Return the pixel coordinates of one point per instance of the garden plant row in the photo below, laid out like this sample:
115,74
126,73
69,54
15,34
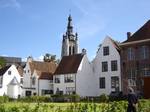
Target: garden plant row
115,106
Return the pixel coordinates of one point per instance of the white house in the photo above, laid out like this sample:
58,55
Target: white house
74,75
38,77
10,82
106,67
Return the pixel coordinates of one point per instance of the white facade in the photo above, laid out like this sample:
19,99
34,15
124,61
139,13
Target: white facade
83,81
12,91
61,85
27,85
113,55
32,84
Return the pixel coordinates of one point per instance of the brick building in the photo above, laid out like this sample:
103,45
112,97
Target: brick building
135,60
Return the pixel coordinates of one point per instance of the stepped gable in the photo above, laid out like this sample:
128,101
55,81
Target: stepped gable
69,64
142,34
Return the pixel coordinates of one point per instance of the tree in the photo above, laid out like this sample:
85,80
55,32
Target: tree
49,57
2,62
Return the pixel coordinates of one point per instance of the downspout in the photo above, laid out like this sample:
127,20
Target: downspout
75,84
38,86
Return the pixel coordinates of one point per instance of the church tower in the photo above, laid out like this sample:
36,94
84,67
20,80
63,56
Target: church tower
70,40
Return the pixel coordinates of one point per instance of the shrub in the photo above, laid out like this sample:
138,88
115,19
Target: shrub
36,99
103,98
66,98
4,99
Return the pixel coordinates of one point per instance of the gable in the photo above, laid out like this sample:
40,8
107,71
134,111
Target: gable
111,43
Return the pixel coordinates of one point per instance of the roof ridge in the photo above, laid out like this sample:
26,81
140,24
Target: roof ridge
142,33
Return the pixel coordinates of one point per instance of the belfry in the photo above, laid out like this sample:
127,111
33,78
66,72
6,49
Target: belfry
70,40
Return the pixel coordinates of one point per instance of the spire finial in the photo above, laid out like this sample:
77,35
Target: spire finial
70,27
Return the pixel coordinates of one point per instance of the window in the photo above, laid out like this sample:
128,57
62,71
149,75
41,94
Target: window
102,82
69,78
144,52
145,69
46,92
104,66
130,54
115,83
105,50
131,77
9,72
33,80
114,66
57,79
70,90
59,92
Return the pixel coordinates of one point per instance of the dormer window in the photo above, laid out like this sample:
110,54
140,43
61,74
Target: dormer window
9,72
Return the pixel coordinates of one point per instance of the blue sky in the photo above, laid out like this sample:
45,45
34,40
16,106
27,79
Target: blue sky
35,27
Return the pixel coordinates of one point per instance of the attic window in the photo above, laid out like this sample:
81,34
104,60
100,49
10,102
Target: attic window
9,72
105,50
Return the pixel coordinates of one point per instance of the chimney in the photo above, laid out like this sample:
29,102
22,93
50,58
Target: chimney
128,35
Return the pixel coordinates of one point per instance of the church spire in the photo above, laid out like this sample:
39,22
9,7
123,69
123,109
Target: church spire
70,27
70,40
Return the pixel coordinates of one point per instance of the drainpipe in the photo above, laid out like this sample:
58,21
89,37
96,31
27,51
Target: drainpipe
38,86
75,84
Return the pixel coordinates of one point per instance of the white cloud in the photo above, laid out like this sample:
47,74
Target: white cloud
24,59
10,4
40,58
4,55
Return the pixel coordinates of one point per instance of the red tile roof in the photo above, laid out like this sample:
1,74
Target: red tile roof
43,66
141,34
20,70
115,44
69,64
46,75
